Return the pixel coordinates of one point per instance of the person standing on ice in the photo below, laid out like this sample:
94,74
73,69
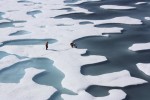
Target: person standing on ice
73,45
46,45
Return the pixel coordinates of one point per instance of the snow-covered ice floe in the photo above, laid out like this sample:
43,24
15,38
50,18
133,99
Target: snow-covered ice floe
26,89
3,21
121,20
140,46
114,94
117,79
9,60
82,1
147,18
116,7
144,67
139,3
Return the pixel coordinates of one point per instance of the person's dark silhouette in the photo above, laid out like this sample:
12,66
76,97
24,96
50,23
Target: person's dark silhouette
73,45
46,45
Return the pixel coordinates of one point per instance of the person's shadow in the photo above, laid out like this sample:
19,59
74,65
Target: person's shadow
58,50
52,49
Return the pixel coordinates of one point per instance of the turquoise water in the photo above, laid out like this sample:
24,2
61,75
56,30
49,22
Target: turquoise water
51,76
21,32
10,24
24,1
3,54
28,42
1,13
33,13
6,24
16,71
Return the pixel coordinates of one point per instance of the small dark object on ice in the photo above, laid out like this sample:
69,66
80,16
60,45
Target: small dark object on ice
73,45
46,45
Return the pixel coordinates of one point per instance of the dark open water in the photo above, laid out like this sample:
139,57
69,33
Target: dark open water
115,47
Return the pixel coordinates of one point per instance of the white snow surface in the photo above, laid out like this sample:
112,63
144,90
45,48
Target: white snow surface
121,20
8,61
26,89
114,94
139,3
147,18
117,79
4,21
140,46
144,67
116,7
66,59
82,1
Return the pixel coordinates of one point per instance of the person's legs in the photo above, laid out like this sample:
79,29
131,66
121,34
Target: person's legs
46,45
71,45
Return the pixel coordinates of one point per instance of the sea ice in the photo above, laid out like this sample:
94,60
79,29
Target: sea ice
66,59
114,94
3,21
116,79
116,7
139,3
140,46
26,89
72,60
82,1
121,20
144,67
8,61
147,18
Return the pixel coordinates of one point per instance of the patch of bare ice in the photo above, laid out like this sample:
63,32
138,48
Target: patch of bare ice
147,18
8,61
140,46
116,7
144,67
114,94
139,3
